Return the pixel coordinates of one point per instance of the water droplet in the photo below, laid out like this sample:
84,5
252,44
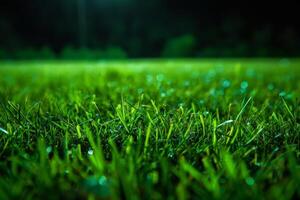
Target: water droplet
149,79
186,83
90,152
250,181
282,94
213,92
99,186
226,83
170,154
49,149
201,102
244,85
205,113
102,180
163,94
170,91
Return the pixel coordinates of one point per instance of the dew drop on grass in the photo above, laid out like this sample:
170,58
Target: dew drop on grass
226,84
244,85
201,102
205,113
186,83
102,180
213,92
250,181
90,152
99,186
282,94
49,149
170,155
160,77
163,94
170,91
149,79
210,76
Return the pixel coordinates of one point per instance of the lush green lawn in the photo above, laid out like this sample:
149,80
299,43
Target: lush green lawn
185,129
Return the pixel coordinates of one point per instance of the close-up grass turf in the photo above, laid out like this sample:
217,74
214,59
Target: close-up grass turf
150,129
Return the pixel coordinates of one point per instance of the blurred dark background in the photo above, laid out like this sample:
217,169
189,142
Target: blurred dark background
92,29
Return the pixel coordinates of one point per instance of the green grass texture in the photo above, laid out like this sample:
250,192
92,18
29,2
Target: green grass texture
150,129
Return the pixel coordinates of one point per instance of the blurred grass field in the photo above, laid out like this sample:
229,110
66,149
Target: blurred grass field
150,129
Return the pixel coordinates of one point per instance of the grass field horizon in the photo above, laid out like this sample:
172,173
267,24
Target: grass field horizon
150,129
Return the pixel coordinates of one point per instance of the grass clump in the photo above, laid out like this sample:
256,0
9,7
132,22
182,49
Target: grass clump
183,129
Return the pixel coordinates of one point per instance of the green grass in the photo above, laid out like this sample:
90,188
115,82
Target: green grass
181,129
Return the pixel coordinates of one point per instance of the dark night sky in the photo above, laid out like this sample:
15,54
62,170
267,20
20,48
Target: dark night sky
54,23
